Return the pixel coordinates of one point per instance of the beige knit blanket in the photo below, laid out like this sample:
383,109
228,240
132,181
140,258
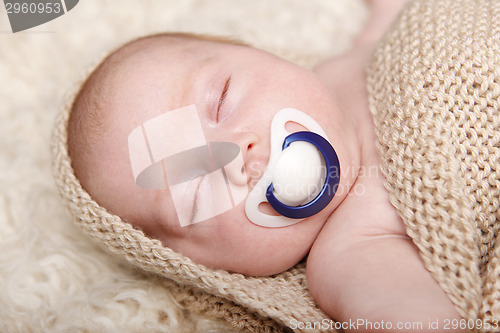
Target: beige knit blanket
434,85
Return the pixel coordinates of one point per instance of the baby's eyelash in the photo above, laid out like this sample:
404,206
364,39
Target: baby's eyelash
223,96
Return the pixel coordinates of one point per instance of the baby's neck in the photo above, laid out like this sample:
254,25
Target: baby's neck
346,77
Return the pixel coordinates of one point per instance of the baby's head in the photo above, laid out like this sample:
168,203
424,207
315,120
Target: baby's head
236,91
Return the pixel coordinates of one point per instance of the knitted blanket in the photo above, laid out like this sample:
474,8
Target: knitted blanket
434,85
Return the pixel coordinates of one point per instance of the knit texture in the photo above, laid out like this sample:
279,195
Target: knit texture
434,86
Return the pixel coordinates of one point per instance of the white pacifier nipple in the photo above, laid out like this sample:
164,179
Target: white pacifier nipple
297,174
302,174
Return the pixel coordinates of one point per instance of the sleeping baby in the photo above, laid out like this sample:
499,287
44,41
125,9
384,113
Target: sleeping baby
242,161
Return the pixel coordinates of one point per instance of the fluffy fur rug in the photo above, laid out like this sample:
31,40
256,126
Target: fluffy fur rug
52,278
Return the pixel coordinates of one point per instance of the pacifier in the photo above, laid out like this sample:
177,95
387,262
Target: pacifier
302,175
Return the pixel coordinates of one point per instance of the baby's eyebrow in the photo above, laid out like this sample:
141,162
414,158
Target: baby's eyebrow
194,68
205,61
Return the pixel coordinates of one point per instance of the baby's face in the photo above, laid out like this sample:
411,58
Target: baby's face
164,75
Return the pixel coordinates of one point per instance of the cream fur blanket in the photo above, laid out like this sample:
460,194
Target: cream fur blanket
52,278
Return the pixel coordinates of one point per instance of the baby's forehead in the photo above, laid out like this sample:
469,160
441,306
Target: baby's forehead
144,61
149,77
162,48
154,74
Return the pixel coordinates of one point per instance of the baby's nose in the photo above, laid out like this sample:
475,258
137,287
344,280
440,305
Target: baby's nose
248,167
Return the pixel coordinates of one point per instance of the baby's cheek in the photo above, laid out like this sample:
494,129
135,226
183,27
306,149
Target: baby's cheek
236,244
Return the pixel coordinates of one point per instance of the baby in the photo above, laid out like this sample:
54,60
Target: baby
360,262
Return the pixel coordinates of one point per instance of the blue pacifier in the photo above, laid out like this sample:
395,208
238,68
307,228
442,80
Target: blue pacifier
327,191
302,176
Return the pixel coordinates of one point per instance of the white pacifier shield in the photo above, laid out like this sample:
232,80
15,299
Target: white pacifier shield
283,167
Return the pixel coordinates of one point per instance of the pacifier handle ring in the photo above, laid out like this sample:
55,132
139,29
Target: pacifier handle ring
329,188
